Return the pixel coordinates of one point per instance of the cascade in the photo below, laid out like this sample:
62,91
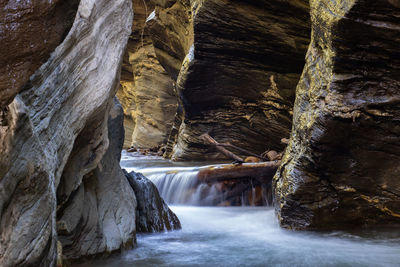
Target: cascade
180,185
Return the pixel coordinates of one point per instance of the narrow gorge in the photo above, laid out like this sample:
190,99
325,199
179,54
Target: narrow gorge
199,133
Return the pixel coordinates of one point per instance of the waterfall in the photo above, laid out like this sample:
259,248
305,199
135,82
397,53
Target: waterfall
179,185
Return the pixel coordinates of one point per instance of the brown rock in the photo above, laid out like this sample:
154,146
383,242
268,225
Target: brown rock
238,75
30,31
341,167
146,92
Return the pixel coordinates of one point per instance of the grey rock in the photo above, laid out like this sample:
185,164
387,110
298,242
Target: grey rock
99,216
153,214
71,90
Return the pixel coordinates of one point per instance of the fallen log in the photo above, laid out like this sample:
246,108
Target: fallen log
262,171
208,139
242,150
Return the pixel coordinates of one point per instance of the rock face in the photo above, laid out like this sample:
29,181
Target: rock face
65,102
99,215
341,167
146,92
30,31
236,70
153,215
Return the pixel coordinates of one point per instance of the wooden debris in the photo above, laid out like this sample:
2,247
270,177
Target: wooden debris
209,140
263,171
242,150
221,147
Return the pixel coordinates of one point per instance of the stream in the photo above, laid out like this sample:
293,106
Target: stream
241,236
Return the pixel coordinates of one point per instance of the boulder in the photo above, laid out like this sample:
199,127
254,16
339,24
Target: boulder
341,167
153,214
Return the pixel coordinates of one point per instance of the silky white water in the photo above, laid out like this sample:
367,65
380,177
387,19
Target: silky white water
251,236
176,182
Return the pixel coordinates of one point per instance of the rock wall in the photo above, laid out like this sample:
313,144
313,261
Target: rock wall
30,31
341,168
96,209
146,92
65,100
236,67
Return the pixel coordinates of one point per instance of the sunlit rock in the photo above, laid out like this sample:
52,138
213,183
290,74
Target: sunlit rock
147,92
236,67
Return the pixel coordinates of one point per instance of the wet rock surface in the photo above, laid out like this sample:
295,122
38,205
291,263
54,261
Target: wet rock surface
72,90
341,168
153,214
30,31
239,66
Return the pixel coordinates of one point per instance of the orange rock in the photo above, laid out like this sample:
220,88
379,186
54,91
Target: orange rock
252,159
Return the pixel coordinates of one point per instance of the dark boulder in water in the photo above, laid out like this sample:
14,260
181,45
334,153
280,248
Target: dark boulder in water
152,214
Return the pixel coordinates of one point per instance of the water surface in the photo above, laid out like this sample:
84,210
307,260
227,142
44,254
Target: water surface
243,236
250,236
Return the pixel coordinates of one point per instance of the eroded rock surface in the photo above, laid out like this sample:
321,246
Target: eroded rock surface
99,215
341,167
153,214
147,91
70,91
239,63
30,31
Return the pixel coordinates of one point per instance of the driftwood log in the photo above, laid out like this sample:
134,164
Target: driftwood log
221,147
262,171
209,140
236,181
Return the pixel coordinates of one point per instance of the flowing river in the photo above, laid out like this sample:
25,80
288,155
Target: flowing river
241,236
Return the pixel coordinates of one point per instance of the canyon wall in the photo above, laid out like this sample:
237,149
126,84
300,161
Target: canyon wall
236,66
30,31
95,205
341,168
57,126
147,91
229,68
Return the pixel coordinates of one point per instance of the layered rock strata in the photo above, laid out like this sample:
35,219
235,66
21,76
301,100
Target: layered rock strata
153,214
146,92
30,31
236,68
96,210
69,93
341,167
